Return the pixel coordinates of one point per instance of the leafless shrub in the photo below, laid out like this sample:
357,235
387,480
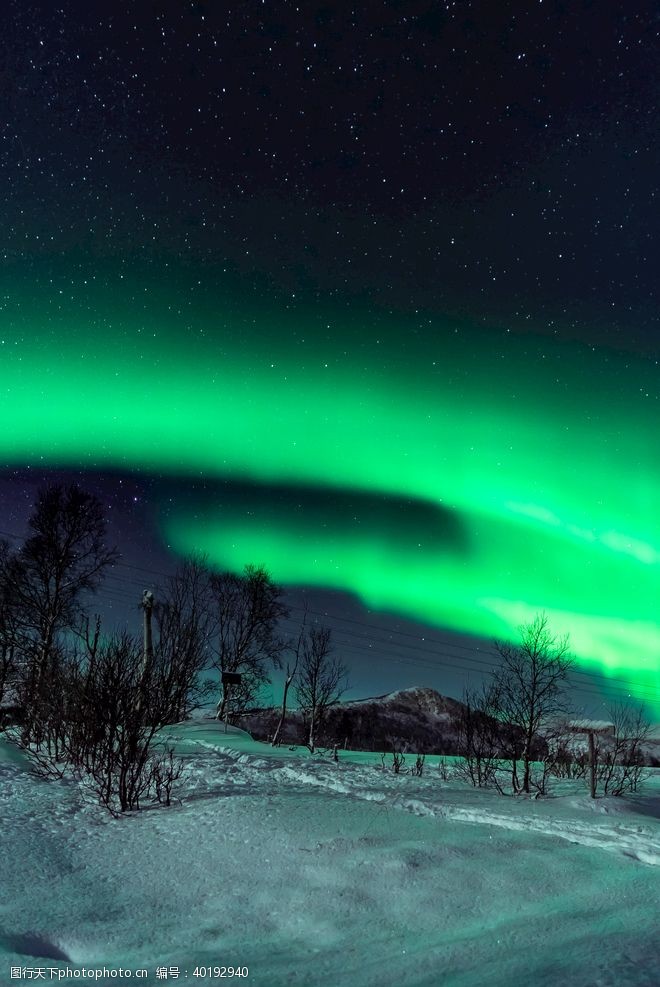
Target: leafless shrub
570,765
398,760
44,726
565,758
113,745
621,767
479,738
548,749
541,776
321,680
418,767
445,769
166,771
101,722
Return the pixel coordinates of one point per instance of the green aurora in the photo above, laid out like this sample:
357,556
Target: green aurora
543,453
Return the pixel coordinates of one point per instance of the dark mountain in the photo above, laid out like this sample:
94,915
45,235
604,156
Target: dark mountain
419,720
416,720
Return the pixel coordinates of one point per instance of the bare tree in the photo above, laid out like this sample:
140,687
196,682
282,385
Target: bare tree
247,609
61,561
322,680
289,676
183,611
529,686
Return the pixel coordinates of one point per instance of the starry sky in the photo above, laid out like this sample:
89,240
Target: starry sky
366,294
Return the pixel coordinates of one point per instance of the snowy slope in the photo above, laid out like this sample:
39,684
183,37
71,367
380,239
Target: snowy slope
310,872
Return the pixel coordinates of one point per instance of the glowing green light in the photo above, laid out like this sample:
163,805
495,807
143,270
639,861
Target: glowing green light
548,456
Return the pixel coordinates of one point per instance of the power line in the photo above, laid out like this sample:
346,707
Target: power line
441,664
614,684
431,640
609,681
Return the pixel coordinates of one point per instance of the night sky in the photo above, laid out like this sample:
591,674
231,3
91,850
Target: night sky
369,296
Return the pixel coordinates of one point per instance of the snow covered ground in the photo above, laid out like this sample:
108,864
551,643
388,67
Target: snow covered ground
312,873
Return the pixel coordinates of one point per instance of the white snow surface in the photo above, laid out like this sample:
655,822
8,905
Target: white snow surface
312,873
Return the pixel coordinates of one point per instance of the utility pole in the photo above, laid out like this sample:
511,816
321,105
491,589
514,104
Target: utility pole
591,728
147,605
592,764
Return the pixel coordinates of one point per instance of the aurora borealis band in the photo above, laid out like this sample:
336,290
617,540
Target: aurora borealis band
467,484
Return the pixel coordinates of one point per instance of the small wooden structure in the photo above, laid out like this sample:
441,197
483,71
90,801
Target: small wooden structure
591,728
